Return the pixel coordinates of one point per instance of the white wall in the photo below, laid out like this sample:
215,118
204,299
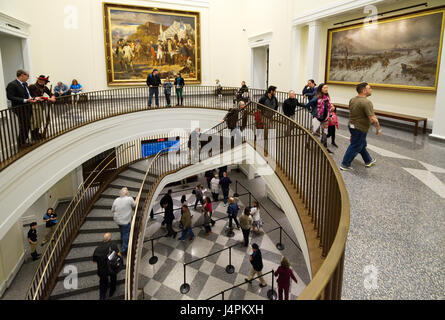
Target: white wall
79,53
259,67
11,56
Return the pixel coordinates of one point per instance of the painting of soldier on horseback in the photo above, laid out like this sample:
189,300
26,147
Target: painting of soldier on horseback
139,40
398,52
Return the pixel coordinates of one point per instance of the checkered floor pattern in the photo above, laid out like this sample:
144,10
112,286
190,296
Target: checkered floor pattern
206,277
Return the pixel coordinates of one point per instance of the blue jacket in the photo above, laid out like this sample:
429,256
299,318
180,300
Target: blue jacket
233,209
309,93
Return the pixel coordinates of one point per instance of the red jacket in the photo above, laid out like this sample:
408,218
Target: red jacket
284,276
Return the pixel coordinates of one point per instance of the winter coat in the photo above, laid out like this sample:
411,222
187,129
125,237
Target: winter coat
214,184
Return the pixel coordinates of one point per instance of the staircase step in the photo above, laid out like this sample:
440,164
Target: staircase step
119,182
85,285
128,177
141,165
101,231
133,190
91,244
95,237
99,218
84,269
99,212
101,224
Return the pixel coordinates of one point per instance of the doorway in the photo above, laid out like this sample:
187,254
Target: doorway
260,67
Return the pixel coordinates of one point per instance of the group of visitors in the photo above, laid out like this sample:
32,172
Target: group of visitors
154,82
31,117
50,219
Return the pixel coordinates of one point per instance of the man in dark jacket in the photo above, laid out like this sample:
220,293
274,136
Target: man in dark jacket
153,83
256,260
100,256
269,100
225,186
18,93
289,105
167,204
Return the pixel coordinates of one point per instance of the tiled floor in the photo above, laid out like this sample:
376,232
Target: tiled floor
207,277
396,234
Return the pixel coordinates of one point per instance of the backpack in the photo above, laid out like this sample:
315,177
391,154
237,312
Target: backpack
232,118
325,112
114,262
259,122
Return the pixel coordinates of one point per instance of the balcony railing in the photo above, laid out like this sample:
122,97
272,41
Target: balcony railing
24,128
308,173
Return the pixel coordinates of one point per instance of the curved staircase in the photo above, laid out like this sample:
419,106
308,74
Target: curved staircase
98,222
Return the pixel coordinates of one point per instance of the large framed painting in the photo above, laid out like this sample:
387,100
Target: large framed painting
141,39
400,52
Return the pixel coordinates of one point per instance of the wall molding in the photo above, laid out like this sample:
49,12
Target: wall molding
13,26
260,40
327,11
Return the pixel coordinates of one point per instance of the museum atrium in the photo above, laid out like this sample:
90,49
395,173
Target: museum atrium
210,111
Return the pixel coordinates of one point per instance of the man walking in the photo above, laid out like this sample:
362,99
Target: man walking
225,186
122,210
256,260
361,115
100,257
153,83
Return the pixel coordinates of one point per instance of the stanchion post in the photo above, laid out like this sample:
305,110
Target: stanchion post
222,294
236,195
280,245
185,287
272,294
250,199
230,268
154,259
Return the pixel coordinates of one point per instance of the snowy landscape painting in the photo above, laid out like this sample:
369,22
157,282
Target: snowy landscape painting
402,52
139,40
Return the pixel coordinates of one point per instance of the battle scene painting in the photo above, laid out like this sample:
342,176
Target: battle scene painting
402,52
139,40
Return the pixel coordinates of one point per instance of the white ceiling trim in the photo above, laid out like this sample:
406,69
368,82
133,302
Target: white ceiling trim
338,7
13,26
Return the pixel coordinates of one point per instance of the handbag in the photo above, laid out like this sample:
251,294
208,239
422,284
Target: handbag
114,262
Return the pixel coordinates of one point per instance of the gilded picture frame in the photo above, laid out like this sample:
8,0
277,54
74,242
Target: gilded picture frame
400,52
140,39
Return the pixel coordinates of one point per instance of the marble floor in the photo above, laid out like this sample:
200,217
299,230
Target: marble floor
395,247
207,277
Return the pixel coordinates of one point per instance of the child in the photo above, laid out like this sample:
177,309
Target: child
332,122
168,90
255,213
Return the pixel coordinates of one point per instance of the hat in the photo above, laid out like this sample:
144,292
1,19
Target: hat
155,70
255,246
41,77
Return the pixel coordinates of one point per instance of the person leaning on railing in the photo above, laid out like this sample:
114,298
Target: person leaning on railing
18,93
38,90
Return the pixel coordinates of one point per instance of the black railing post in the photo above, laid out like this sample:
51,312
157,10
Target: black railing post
280,245
153,259
236,189
185,287
230,268
272,294
222,294
250,199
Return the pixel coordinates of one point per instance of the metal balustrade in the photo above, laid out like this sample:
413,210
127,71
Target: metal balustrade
304,167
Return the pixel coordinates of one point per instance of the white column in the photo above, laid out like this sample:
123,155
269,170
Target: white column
3,99
439,112
313,51
296,56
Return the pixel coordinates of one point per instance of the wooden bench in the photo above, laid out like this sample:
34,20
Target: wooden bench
394,115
